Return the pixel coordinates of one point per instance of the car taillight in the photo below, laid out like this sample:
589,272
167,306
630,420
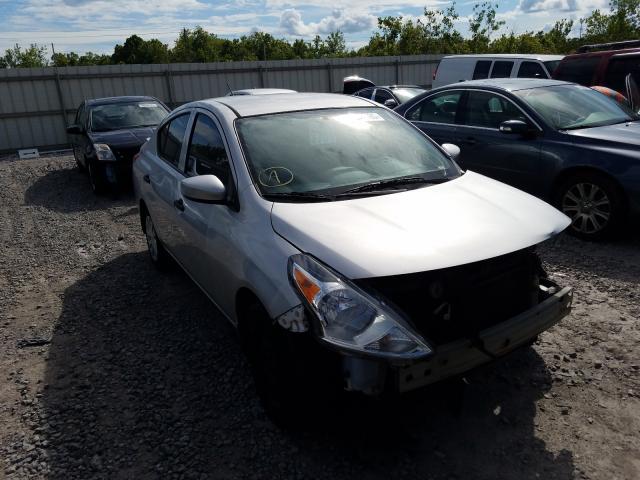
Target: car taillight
135,157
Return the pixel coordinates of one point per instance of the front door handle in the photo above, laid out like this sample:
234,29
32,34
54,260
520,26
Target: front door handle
146,179
179,204
469,141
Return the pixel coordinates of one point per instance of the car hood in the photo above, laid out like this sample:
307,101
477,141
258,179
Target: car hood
464,220
627,133
123,138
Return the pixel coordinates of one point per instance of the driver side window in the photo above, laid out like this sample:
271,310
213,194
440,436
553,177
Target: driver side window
441,108
489,110
207,154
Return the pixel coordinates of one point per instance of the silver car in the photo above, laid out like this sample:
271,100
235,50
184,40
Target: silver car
346,246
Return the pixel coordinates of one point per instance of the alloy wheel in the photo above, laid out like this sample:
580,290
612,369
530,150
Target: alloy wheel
588,206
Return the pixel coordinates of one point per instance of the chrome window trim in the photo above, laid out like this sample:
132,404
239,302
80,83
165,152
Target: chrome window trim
536,124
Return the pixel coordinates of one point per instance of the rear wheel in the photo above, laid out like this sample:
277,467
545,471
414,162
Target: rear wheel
593,203
157,252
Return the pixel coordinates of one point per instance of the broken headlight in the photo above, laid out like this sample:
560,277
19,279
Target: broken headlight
351,319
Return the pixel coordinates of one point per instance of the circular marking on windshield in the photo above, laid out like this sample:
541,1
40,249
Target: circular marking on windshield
275,177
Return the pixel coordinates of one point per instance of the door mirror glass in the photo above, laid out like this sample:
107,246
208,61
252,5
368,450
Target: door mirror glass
452,150
74,129
514,126
390,103
203,188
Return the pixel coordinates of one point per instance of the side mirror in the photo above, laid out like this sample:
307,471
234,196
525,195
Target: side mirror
390,103
514,126
452,150
203,188
75,129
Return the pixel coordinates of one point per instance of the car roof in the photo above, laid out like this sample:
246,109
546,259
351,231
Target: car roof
124,99
250,105
603,53
528,56
262,91
509,84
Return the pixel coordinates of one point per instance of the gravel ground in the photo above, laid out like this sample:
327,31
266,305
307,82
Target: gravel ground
112,370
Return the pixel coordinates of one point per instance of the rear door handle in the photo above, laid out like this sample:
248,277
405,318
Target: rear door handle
146,179
179,204
469,141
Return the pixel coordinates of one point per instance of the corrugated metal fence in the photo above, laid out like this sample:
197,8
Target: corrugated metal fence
37,103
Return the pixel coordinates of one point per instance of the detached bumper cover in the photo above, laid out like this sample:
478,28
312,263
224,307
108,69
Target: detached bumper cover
462,355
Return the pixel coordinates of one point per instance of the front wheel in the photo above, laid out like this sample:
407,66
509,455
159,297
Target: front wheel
96,179
593,203
294,378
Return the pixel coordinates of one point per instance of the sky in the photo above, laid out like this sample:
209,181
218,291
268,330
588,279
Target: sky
98,25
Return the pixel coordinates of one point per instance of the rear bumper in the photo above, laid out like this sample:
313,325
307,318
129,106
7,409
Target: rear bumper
463,355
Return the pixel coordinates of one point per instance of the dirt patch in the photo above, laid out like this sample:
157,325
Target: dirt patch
113,370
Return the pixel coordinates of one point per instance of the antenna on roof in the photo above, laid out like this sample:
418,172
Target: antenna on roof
229,87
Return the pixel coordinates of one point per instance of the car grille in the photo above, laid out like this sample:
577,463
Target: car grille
457,302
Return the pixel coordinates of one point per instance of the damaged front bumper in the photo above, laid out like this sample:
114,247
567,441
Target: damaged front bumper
462,355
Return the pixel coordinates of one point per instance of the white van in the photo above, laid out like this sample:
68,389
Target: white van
459,68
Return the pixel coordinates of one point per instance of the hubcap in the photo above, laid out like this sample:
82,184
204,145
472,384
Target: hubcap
152,240
588,206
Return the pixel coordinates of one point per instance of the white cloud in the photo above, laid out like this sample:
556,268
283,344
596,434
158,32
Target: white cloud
360,5
291,23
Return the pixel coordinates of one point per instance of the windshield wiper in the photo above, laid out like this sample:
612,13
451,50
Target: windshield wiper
302,196
392,184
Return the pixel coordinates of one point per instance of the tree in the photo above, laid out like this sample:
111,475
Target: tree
482,25
34,56
137,50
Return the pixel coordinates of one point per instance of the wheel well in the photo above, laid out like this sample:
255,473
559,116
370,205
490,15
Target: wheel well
247,307
143,215
569,172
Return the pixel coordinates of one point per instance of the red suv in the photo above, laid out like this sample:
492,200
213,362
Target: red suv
607,68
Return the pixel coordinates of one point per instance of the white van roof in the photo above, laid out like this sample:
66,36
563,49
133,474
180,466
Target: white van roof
530,56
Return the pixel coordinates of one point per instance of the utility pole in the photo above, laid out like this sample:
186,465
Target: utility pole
53,49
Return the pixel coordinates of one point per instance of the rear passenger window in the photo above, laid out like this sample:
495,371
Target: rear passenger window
170,138
501,69
440,108
531,70
579,70
482,69
206,154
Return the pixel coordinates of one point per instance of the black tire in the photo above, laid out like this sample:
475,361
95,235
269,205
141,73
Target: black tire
594,203
158,254
79,165
96,179
295,379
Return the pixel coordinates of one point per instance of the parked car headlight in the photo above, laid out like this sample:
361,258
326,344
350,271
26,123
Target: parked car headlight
351,319
104,153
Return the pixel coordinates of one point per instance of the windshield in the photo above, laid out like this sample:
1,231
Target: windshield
331,151
405,94
116,116
568,107
551,65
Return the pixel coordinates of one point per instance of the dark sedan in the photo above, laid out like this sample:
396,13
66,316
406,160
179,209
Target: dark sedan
560,141
108,132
